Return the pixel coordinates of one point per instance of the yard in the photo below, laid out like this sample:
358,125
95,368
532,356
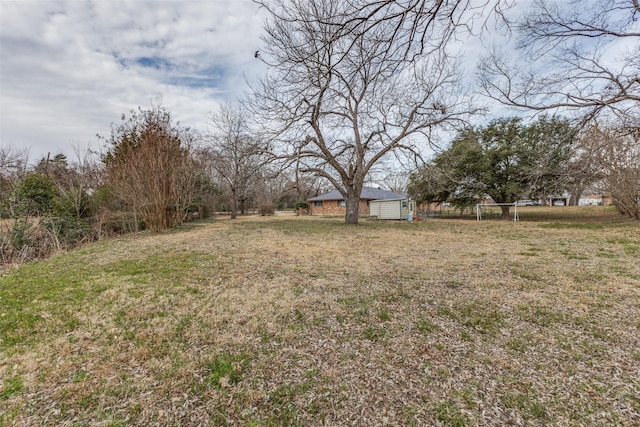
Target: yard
308,321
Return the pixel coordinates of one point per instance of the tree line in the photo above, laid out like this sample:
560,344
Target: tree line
356,87
508,160
150,174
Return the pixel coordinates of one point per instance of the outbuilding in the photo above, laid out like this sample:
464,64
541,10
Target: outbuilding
398,208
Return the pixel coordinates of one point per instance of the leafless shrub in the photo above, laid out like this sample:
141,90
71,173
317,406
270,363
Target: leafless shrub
24,240
617,153
266,207
150,165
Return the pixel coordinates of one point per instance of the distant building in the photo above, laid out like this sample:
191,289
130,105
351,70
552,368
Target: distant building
332,203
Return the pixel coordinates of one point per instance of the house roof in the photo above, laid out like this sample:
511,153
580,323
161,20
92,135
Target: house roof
368,193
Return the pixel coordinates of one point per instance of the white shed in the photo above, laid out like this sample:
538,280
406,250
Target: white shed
399,208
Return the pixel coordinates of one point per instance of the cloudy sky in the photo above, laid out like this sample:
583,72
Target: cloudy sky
68,69
71,68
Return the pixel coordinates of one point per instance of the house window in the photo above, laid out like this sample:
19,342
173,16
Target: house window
317,204
342,203
404,204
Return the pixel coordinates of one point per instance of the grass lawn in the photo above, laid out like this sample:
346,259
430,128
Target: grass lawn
307,321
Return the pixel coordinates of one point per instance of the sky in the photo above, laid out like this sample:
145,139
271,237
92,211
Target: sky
69,69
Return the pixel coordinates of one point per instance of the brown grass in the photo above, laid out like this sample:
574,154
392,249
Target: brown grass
307,321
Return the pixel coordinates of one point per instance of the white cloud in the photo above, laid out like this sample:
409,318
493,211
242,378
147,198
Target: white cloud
70,69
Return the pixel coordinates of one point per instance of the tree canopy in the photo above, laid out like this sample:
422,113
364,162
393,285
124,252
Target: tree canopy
505,160
342,96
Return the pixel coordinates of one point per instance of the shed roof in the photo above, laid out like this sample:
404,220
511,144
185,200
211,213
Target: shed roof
368,193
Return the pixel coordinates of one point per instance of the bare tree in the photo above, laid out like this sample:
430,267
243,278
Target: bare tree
237,157
397,181
342,95
583,171
411,27
13,161
617,152
577,54
13,167
289,188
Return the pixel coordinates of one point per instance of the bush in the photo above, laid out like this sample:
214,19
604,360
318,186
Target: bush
24,241
301,208
67,231
267,208
19,236
34,196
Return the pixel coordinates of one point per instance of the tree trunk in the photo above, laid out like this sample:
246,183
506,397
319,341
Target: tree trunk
505,211
576,195
234,205
353,207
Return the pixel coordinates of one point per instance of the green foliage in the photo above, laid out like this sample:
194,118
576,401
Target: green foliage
301,205
428,185
57,228
34,196
5,195
20,233
67,229
505,160
103,197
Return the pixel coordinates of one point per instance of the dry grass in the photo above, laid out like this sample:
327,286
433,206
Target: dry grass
307,321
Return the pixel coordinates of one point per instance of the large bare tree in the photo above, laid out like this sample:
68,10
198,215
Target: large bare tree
354,82
413,27
237,157
578,54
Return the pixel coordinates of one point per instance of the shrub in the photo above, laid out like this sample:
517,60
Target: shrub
301,207
24,241
34,196
267,208
67,231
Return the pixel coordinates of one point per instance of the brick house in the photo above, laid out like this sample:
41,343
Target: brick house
332,203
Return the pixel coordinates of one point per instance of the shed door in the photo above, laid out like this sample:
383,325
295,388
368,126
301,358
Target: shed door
390,210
